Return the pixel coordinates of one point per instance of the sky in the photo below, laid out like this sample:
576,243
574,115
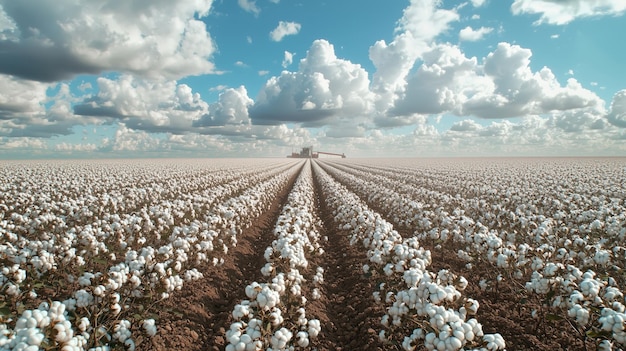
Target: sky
246,78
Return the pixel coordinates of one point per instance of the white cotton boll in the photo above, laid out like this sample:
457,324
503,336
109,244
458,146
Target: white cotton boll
590,287
150,327
267,269
99,290
580,313
483,284
252,290
135,281
233,336
276,318
453,343
83,324
315,295
12,289
267,298
388,269
121,331
494,342
314,327
34,337
280,338
240,311
64,331
302,339
412,277
130,344
472,306
296,290
407,344
385,320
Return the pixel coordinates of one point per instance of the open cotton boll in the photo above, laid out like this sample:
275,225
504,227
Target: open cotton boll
240,311
494,342
315,294
280,338
267,298
252,290
314,328
150,327
276,317
302,338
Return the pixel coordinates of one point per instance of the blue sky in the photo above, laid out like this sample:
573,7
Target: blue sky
193,78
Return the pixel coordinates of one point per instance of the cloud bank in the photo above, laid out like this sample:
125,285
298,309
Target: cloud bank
56,40
495,103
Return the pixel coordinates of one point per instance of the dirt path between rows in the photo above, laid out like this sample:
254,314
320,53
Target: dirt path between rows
351,318
197,317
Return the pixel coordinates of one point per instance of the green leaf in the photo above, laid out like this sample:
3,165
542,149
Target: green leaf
5,311
595,334
99,260
553,317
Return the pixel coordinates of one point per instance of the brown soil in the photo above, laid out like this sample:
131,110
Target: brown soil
197,317
506,308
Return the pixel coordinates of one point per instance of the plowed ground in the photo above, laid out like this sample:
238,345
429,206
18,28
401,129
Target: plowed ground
197,317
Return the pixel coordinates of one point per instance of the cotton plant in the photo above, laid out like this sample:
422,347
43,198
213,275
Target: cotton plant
412,295
523,237
104,245
273,316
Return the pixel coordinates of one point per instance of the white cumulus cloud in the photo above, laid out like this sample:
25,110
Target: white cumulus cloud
470,34
288,59
503,86
324,89
422,21
230,109
284,29
561,12
55,40
150,105
26,109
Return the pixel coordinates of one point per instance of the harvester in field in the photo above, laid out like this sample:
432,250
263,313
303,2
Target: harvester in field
307,152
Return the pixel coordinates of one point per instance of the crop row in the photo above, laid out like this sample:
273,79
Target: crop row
423,307
573,259
114,270
274,315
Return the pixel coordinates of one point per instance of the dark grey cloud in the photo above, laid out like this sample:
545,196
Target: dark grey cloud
262,115
44,64
94,108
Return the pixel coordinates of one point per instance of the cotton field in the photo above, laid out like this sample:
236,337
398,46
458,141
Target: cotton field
307,254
